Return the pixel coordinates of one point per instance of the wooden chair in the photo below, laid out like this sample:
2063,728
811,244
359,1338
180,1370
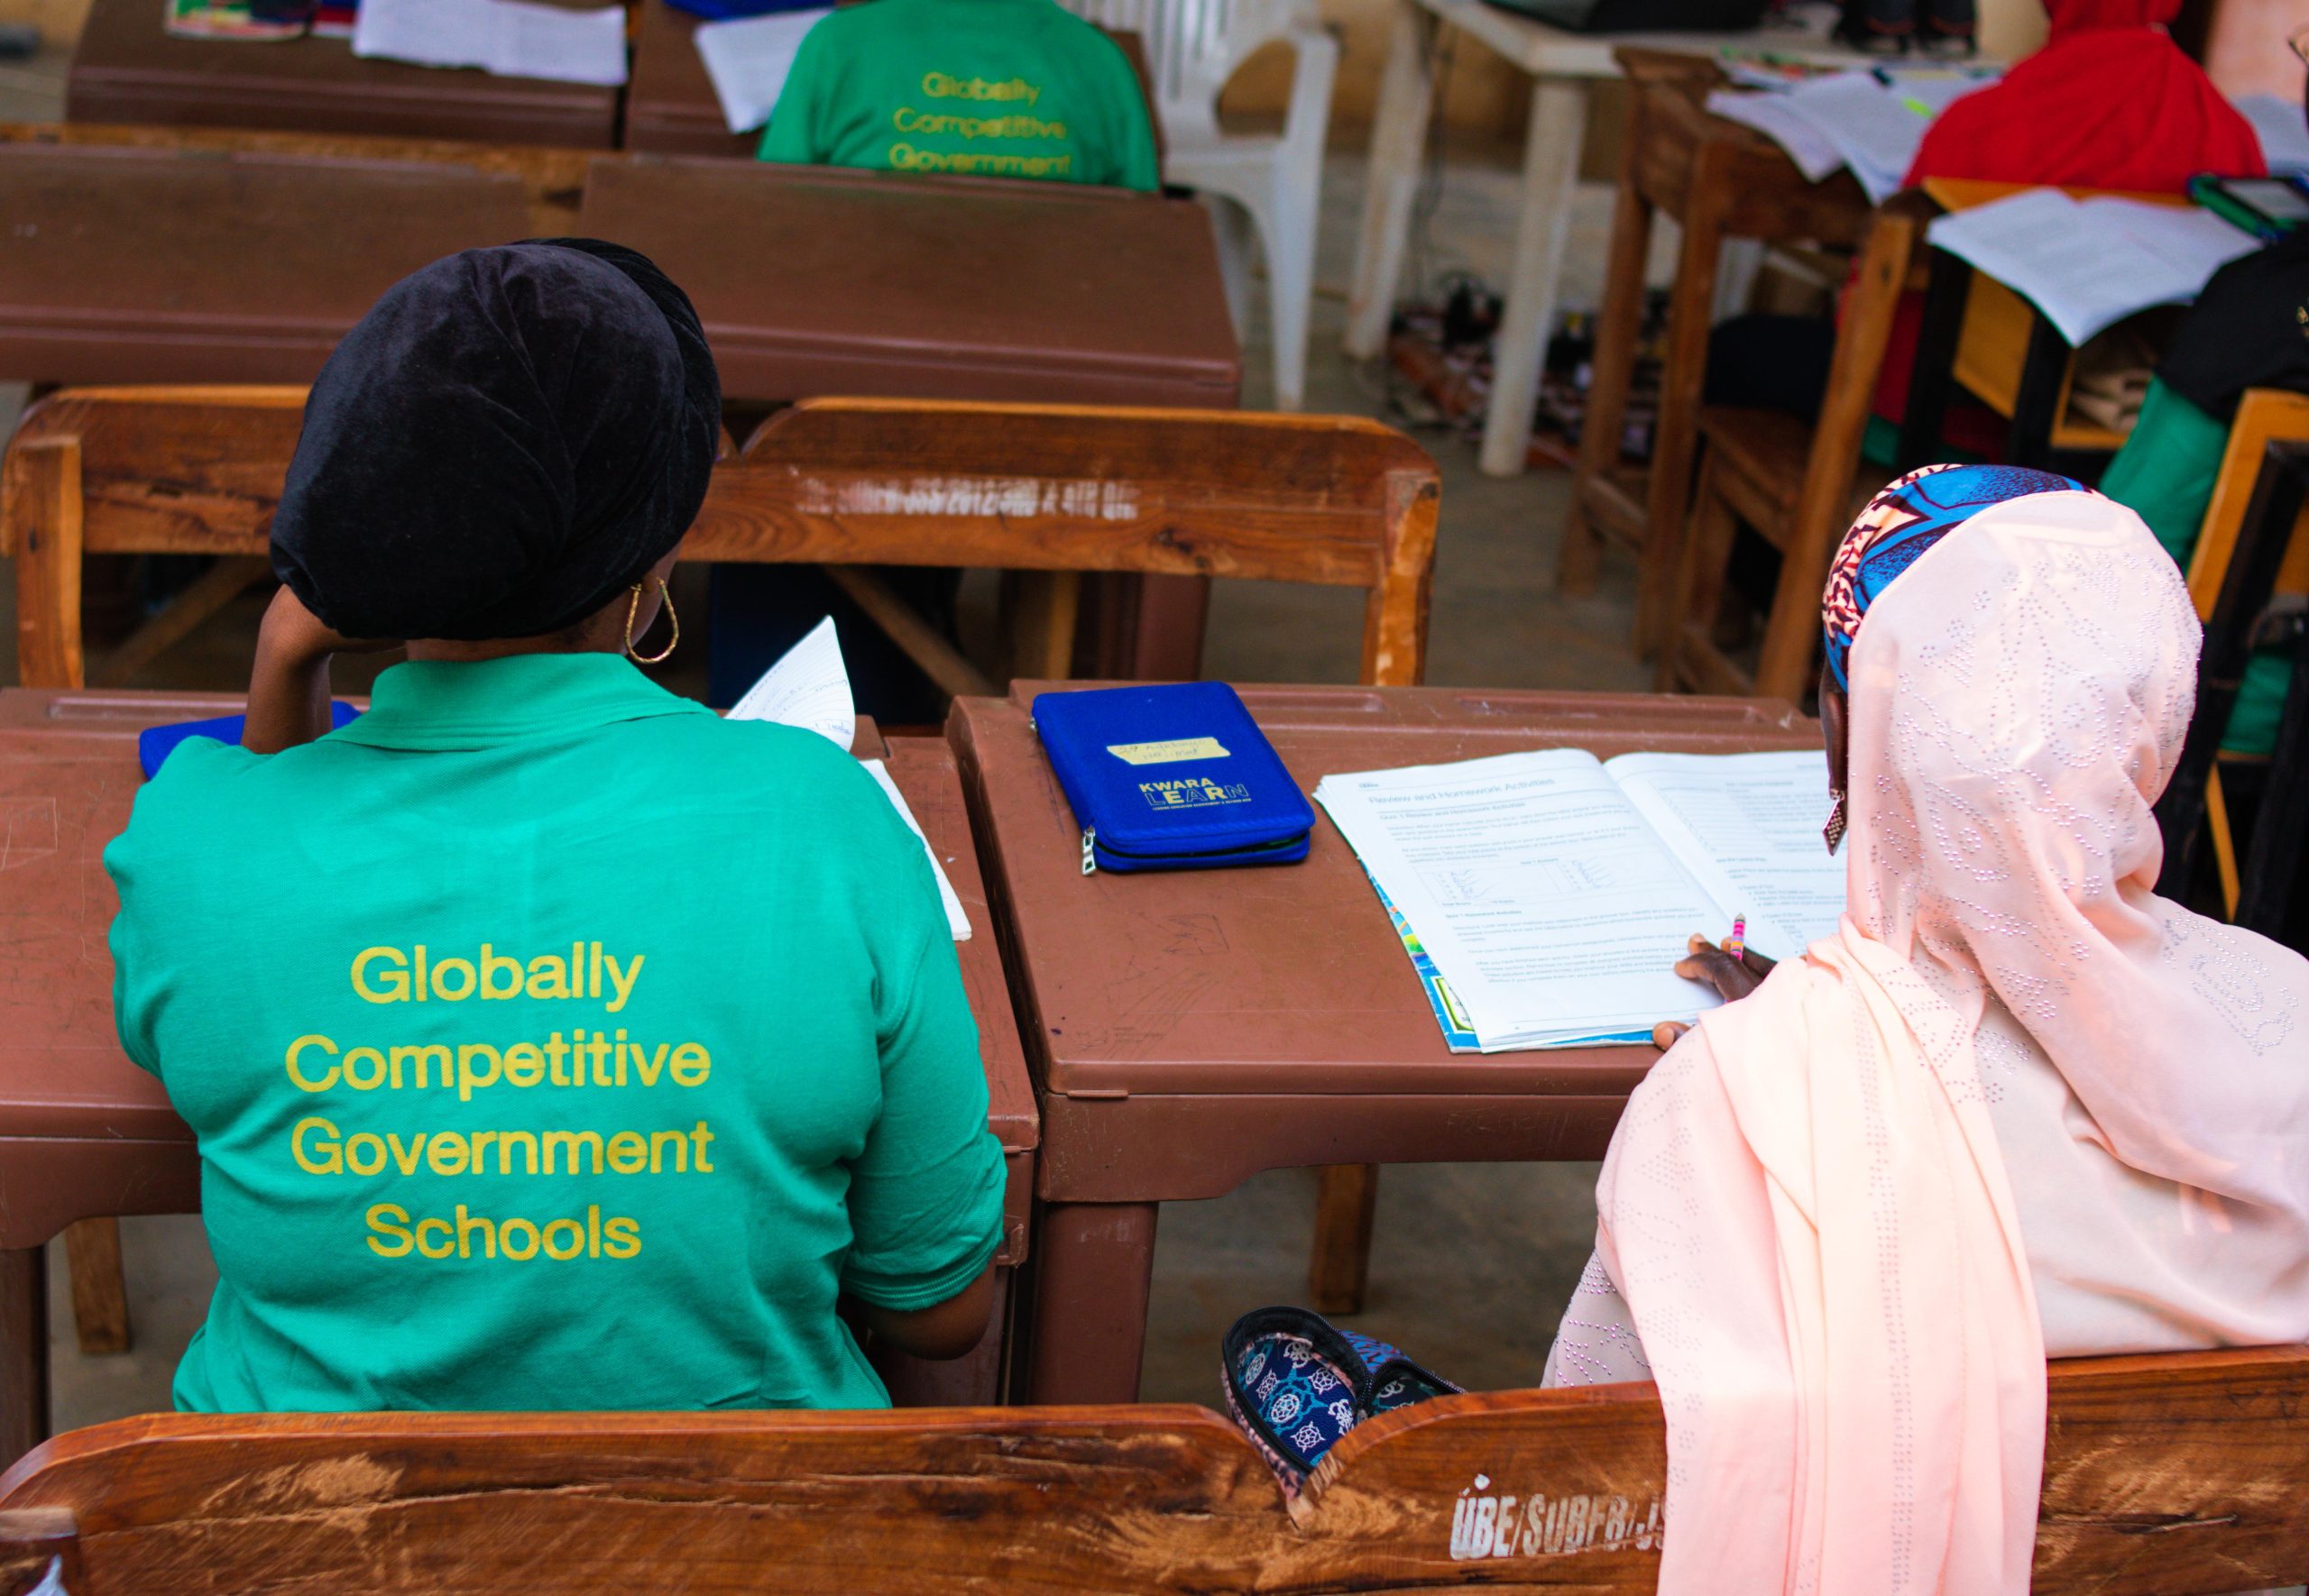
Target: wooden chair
1049,492
2182,1472
1793,484
2250,552
1719,180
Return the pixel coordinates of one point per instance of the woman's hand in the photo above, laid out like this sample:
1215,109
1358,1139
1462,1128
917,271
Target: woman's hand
289,682
1733,978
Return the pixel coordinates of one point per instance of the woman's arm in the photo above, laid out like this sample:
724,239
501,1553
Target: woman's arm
289,682
948,1329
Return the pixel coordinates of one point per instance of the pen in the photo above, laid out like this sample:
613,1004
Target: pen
1736,945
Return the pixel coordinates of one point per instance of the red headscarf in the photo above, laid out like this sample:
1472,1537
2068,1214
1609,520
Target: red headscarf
2108,103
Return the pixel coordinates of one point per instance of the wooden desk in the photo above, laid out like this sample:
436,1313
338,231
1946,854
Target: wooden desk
1562,65
812,280
1188,1030
129,69
1718,180
85,1132
138,265
1980,335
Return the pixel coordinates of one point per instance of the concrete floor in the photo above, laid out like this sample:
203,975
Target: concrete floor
1472,1263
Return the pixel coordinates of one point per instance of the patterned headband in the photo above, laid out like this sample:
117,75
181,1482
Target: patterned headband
1908,516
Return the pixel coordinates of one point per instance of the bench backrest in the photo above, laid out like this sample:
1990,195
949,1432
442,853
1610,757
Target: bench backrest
2168,1475
1329,499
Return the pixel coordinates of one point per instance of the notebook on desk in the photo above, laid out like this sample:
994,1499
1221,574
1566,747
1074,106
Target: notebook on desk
1545,896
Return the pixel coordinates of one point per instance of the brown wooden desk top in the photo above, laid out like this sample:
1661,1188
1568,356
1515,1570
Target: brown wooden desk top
83,1131
812,280
269,259
670,105
129,69
1285,982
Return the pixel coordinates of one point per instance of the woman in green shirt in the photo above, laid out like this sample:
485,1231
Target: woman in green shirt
550,1042
991,88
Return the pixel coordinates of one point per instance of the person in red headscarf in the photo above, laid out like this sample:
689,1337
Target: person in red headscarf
2110,102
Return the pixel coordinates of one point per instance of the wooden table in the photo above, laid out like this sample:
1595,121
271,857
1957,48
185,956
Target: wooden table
128,68
812,280
141,265
1562,65
1718,180
1188,1030
85,1132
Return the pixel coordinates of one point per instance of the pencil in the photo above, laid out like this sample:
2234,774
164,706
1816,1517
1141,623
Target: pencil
1736,945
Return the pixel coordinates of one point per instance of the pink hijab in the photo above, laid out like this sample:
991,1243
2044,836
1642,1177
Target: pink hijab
1814,1206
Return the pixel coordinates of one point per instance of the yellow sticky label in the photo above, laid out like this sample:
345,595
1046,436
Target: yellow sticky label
1168,753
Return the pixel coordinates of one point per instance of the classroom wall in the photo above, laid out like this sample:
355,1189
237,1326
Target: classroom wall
58,21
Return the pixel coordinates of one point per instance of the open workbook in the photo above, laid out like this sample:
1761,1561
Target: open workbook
809,688
1544,897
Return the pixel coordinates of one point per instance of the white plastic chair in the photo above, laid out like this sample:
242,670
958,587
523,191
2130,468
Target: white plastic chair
1267,184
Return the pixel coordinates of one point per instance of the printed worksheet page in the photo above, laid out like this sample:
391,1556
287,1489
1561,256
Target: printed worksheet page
1542,895
1747,827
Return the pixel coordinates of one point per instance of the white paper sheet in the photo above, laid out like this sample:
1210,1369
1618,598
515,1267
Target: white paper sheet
2089,264
1770,115
1747,826
957,922
509,38
808,687
1550,908
748,59
2282,129
1876,126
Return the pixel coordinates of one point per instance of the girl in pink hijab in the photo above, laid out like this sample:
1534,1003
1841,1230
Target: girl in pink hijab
2017,1106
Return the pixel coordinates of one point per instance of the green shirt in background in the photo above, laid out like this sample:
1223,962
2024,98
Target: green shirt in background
2164,475
551,1044
994,89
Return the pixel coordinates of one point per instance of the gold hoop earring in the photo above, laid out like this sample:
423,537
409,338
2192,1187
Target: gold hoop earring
633,609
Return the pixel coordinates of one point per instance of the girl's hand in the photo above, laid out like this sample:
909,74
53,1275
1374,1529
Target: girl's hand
289,682
1733,978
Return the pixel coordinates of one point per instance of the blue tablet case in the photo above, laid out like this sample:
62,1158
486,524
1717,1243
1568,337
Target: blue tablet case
1172,778
154,744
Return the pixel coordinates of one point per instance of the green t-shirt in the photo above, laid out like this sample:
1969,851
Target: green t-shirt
2164,475
551,1044
994,88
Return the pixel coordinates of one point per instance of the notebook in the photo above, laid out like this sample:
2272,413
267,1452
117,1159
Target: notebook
1544,897
809,688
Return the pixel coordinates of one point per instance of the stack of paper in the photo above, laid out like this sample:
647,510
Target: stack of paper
510,38
2089,264
1544,898
2284,132
1870,122
748,59
809,689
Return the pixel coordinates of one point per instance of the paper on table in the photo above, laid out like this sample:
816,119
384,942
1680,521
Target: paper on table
748,59
509,38
957,922
2284,132
1874,125
1747,826
1770,115
1543,898
2089,264
808,687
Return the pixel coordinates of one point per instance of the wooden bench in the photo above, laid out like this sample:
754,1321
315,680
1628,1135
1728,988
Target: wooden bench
2164,1475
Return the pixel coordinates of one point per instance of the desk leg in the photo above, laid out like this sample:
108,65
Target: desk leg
2036,404
1093,1264
23,1351
1550,169
1934,374
1398,142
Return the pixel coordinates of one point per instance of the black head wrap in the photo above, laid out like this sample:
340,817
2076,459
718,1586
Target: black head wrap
509,438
